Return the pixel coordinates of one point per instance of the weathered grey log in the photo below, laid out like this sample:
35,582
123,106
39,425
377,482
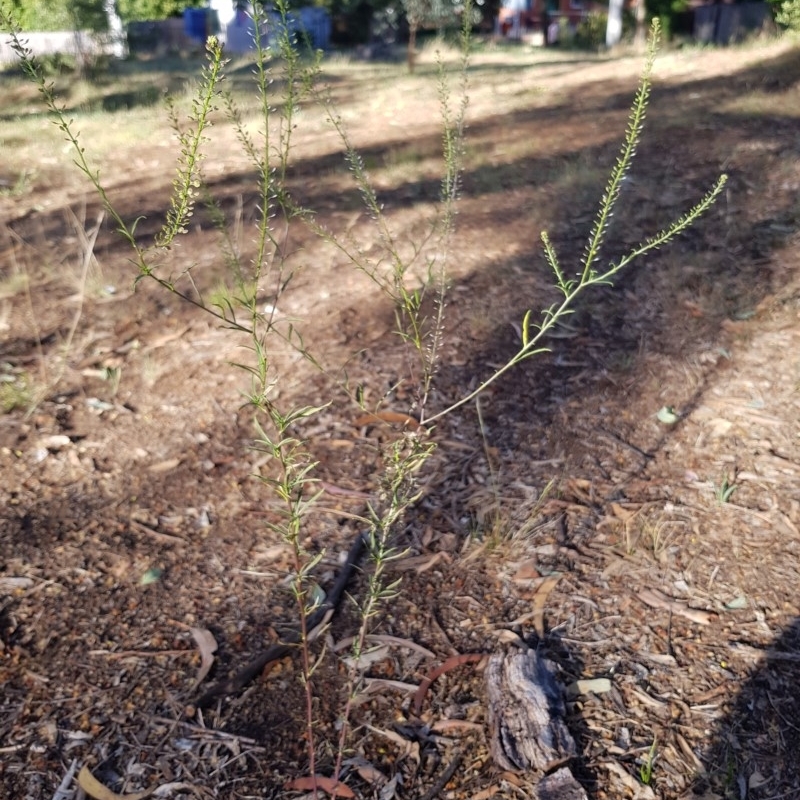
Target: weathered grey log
526,714
560,785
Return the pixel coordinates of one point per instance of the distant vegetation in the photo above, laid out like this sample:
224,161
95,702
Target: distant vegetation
59,15
356,20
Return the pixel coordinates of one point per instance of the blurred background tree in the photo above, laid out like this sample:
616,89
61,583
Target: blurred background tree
140,10
59,15
62,15
787,14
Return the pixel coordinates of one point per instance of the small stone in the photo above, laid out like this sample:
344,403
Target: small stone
55,442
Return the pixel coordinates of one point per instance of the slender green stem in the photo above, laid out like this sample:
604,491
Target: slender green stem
533,345
630,143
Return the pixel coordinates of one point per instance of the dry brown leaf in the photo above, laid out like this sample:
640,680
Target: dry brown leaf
655,599
369,773
366,658
329,785
622,513
374,685
408,749
385,639
639,790
390,417
164,466
95,789
207,645
540,601
377,684
456,726
527,571
421,563
390,735
511,778
488,793
507,636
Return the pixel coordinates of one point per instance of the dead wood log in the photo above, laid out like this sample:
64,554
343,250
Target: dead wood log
526,723
526,714
560,785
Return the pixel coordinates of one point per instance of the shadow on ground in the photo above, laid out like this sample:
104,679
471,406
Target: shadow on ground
755,746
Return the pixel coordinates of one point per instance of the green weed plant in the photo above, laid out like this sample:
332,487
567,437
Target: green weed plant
293,481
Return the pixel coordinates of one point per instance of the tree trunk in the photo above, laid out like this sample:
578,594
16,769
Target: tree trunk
115,29
614,27
412,44
640,37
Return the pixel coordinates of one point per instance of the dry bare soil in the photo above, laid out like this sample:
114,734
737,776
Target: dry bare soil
561,513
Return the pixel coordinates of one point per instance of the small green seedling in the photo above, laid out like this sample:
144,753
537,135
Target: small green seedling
646,769
725,490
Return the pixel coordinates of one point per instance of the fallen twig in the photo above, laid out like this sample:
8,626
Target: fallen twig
113,654
443,779
212,733
657,599
65,790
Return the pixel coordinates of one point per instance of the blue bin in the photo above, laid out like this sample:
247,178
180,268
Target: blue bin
195,23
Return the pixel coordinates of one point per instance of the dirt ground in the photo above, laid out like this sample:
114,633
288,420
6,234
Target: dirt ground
562,512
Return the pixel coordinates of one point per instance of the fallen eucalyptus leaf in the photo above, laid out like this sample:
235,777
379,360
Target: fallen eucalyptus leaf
667,415
153,575
95,789
736,603
589,686
389,791
367,658
329,785
540,601
366,771
207,645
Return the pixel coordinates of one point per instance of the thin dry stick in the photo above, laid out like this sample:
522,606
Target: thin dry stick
443,779
88,239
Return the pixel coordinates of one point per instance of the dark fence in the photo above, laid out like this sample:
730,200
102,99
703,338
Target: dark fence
726,24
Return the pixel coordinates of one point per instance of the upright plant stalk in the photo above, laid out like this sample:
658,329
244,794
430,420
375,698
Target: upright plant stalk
422,334
589,275
398,492
294,484
453,152
295,464
187,183
295,476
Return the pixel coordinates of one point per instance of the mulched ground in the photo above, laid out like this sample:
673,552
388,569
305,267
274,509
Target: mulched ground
565,516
